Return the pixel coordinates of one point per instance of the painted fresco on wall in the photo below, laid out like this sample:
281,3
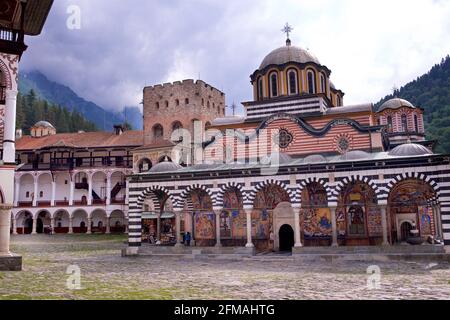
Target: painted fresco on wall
407,196
352,213
239,223
204,226
316,222
340,221
374,221
314,195
201,200
426,221
270,197
225,224
231,224
261,224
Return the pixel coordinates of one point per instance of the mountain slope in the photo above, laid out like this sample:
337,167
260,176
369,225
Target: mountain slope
432,93
62,95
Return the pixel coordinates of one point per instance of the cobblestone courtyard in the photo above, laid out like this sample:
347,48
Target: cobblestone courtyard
106,275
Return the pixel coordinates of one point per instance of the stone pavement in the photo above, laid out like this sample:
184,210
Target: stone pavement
106,275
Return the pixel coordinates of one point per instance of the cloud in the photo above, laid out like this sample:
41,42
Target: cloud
124,45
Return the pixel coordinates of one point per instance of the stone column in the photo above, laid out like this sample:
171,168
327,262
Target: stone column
298,239
108,190
178,228
384,225
438,224
218,240
89,226
249,229
52,223
70,225
108,228
35,192
9,129
5,218
90,191
17,192
72,190
34,226
334,227
14,221
52,203
158,226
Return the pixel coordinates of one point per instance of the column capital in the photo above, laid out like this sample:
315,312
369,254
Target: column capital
6,207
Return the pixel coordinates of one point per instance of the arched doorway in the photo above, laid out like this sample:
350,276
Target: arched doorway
405,228
409,201
272,209
43,222
286,236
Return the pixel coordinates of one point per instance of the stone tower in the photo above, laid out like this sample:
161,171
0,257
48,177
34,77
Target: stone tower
172,106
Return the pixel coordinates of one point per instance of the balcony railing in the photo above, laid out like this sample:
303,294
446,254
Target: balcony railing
12,41
64,164
2,94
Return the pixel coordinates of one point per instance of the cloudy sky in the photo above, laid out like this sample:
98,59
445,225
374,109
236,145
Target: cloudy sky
122,46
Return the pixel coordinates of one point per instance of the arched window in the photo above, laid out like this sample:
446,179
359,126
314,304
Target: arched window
157,105
389,123
311,82
404,123
177,102
273,85
293,83
207,125
323,84
158,131
339,101
166,103
176,125
203,102
186,101
209,105
260,89
416,123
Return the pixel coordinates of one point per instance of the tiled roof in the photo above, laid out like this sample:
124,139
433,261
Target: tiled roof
157,144
82,140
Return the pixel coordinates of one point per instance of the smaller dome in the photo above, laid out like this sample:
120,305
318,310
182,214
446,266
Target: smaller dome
354,155
396,103
410,149
317,158
277,157
44,124
165,166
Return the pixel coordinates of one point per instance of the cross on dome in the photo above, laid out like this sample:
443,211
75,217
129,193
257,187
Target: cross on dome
287,29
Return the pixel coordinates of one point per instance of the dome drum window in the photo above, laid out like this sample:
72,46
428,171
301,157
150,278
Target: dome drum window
273,85
292,82
311,82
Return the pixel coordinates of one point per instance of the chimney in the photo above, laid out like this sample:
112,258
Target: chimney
118,129
19,134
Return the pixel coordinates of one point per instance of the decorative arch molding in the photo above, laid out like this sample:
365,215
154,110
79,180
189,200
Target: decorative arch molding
304,183
185,196
418,176
150,193
262,185
353,179
5,71
227,187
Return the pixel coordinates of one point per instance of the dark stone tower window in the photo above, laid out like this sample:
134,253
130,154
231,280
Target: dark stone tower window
274,85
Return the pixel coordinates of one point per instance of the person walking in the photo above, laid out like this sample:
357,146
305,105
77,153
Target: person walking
187,239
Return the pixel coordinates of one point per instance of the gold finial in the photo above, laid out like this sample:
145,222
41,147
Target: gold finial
287,29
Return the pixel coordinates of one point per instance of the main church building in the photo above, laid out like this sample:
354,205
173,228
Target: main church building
345,175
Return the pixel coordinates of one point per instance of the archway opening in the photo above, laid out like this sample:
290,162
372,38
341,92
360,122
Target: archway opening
405,228
286,236
409,201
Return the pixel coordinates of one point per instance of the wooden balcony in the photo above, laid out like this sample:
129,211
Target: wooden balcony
25,204
12,41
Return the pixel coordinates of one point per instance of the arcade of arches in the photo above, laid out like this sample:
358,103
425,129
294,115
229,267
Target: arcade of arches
61,221
273,222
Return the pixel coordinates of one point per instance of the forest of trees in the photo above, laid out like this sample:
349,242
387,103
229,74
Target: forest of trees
31,109
432,93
